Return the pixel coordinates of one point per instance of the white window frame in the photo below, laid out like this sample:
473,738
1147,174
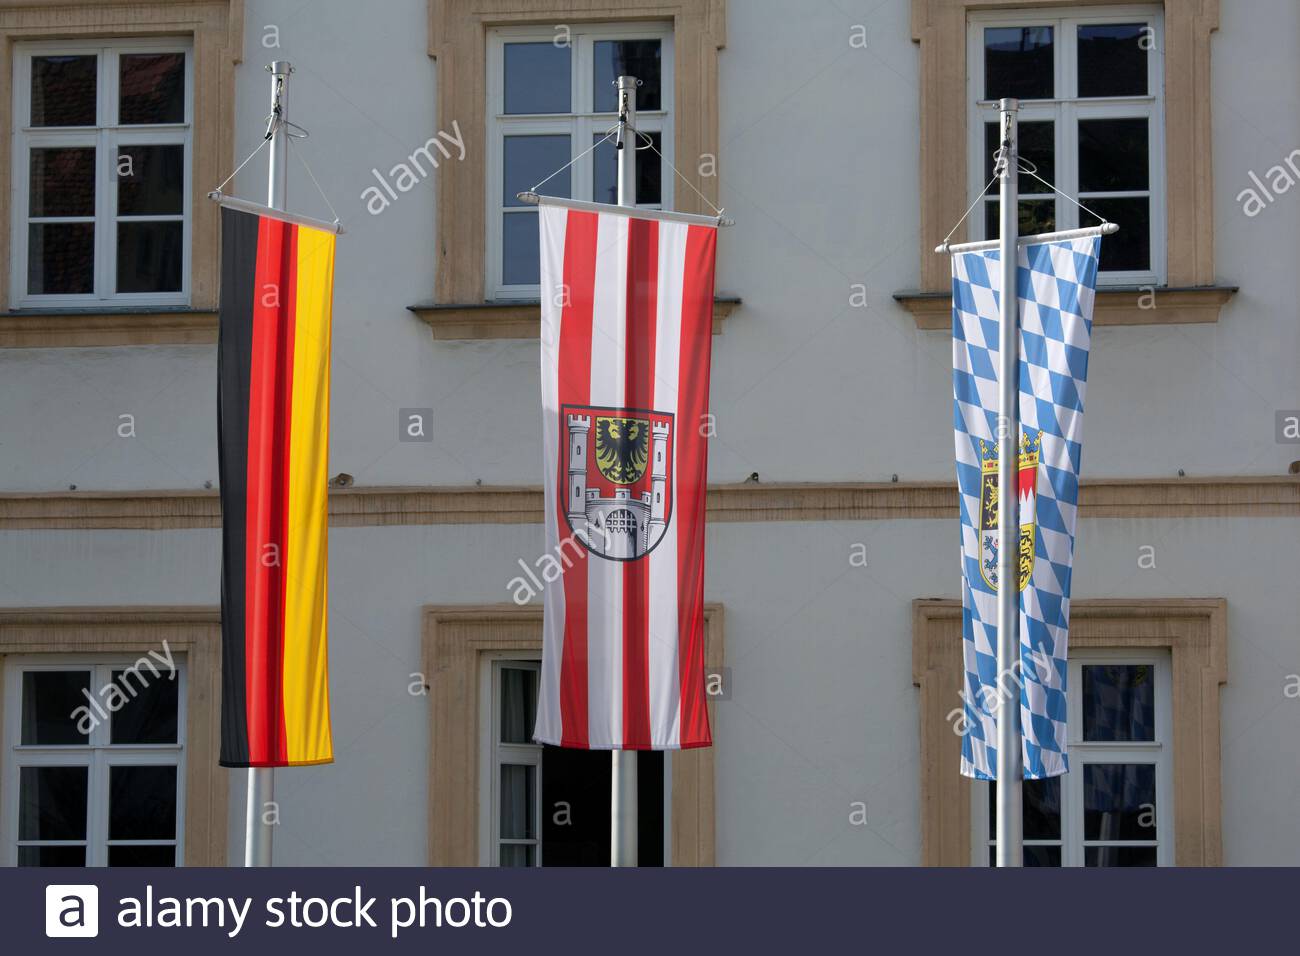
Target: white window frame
498,753
582,126
106,137
1159,752
98,755
1065,111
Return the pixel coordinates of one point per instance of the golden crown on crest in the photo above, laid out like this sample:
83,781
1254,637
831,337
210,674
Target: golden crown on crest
1030,449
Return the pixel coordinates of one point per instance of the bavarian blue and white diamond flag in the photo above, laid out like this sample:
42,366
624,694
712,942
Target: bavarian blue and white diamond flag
1056,282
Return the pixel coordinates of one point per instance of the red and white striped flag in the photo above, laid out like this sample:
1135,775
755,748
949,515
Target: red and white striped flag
627,312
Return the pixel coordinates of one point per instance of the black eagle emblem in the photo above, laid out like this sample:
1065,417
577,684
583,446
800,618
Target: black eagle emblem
622,448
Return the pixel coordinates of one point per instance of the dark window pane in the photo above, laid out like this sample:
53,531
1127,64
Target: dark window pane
62,181
152,88
51,700
142,803
649,172
575,807
1119,856
519,249
615,58
63,90
51,856
1113,155
149,256
151,180
1037,147
1113,59
1036,215
518,854
1042,856
60,258
518,704
1119,699
141,855
149,717
52,803
518,802
530,159
1041,808
538,78
1018,62
1119,801
1032,856
1130,248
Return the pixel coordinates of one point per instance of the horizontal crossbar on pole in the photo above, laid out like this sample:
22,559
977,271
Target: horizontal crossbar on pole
1105,229
221,199
664,215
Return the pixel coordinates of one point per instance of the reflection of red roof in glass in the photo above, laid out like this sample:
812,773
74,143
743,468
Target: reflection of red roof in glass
63,182
63,90
152,87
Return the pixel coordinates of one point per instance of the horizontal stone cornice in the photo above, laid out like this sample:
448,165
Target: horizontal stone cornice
1253,496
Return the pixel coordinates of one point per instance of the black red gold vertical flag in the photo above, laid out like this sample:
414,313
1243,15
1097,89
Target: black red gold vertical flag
273,375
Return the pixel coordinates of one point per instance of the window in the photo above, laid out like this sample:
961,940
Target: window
1091,121
462,646
551,96
1113,807
94,766
559,817
101,169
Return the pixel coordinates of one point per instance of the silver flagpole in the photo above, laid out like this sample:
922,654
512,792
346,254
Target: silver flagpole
1009,786
622,802
261,780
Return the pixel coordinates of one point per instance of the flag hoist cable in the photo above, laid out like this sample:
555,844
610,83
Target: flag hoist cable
1105,228
603,139
530,195
292,131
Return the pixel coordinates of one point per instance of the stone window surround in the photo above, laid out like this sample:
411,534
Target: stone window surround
1194,630
458,41
216,29
193,631
1192,294
455,637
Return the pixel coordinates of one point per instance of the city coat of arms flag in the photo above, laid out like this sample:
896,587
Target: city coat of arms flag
1056,282
627,319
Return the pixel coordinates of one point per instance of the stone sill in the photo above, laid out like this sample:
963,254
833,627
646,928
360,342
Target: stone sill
92,328
1115,305
514,319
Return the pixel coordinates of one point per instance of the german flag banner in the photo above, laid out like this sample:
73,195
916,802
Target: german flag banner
273,372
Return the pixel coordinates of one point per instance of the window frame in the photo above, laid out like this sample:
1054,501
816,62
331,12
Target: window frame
1159,752
454,639
107,136
496,753
99,755
583,125
1066,109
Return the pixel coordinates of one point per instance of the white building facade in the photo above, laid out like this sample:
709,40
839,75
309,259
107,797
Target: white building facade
845,139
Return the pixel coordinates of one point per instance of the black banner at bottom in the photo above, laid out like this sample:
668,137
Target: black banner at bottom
673,912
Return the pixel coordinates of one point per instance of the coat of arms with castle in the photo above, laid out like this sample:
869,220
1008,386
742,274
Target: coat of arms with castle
618,467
